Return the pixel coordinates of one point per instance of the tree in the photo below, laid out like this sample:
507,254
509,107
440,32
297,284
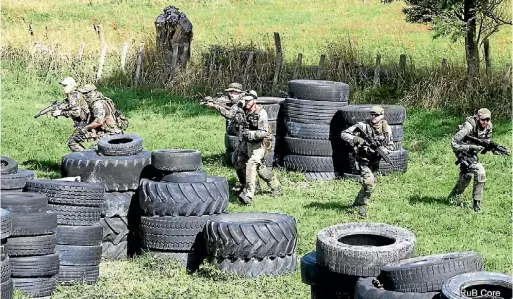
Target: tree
474,20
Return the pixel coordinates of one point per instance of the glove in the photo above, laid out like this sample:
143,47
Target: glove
357,140
248,135
56,112
385,150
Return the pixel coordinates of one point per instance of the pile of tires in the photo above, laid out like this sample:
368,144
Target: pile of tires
310,116
78,207
118,165
395,116
13,178
252,244
31,246
6,285
176,204
231,138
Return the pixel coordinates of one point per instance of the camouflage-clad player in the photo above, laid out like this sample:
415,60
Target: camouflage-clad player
368,160
77,109
255,142
479,126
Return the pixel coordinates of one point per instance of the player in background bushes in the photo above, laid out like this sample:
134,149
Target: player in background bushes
367,157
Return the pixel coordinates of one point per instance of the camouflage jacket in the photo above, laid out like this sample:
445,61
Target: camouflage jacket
471,128
383,135
102,113
258,122
77,109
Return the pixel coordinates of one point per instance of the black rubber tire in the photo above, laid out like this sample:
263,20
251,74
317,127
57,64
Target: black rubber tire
23,202
176,159
254,267
6,289
199,176
428,273
352,114
307,131
308,147
383,243
400,162
309,163
90,235
191,260
71,255
178,233
251,235
314,112
115,236
120,145
184,199
78,274
76,215
36,287
365,289
319,90
271,106
117,203
31,246
321,176
8,165
499,283
397,132
5,223
308,266
333,285
35,266
68,193
5,273
113,173
33,224
16,180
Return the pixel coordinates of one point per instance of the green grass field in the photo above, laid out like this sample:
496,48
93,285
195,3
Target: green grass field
415,200
305,26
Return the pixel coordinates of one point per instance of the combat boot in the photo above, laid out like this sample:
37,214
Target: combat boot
477,205
363,211
244,198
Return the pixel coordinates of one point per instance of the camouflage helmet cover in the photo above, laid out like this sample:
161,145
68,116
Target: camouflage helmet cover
87,88
377,110
484,113
234,87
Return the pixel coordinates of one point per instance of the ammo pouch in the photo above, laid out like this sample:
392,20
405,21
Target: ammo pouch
465,160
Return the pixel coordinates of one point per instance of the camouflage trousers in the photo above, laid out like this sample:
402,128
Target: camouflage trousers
249,162
75,140
368,179
476,169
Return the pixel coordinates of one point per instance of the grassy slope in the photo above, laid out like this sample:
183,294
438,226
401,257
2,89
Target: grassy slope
414,200
305,26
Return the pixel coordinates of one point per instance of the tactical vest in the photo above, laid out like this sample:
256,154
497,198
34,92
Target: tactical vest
384,129
252,120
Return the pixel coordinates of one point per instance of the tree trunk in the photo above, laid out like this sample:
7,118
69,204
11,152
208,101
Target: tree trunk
471,48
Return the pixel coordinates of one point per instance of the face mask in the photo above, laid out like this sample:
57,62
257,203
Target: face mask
68,88
376,119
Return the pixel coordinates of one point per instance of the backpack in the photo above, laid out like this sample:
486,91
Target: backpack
121,120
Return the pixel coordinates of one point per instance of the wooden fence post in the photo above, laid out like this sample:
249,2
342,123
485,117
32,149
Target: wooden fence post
99,30
444,66
321,66
102,62
377,71
123,57
402,64
80,52
249,61
139,64
279,59
506,81
298,66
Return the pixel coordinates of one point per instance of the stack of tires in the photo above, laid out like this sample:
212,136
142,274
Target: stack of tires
231,138
309,117
350,251
118,166
31,245
13,178
176,204
78,207
252,244
395,116
6,286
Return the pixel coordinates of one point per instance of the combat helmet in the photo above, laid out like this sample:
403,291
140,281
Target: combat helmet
234,87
